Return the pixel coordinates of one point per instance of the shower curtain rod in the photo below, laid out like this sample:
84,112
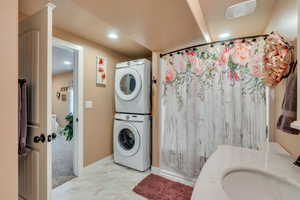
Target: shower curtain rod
212,43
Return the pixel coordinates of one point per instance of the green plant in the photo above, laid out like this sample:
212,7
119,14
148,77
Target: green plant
68,130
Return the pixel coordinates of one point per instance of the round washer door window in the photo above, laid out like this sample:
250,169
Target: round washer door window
128,84
128,140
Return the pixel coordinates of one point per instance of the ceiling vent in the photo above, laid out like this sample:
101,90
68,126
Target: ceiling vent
241,9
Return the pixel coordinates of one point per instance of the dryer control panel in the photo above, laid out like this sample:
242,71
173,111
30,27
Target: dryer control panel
133,63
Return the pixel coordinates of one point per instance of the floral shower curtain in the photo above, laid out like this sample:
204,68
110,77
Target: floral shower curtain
210,96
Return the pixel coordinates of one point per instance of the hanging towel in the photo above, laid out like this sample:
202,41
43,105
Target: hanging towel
22,122
289,107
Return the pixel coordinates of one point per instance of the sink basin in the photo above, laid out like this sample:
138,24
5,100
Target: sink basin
245,184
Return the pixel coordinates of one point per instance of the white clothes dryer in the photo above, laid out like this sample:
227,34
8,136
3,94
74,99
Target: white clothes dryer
133,87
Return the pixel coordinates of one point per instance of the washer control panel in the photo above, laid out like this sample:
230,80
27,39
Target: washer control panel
131,117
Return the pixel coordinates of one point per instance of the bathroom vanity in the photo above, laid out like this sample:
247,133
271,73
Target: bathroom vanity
234,173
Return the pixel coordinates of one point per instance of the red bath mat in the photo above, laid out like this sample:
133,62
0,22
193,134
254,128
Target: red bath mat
155,187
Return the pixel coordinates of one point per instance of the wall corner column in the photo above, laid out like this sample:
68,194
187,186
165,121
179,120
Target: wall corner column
155,109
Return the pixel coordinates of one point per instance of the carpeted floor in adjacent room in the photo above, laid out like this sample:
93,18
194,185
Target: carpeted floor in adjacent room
62,161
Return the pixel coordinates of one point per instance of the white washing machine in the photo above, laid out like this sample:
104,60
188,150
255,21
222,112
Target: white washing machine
133,87
132,141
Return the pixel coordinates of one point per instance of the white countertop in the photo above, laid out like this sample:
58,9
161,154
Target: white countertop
273,160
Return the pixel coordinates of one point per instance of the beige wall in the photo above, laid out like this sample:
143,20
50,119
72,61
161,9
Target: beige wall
298,58
59,107
284,21
98,121
9,97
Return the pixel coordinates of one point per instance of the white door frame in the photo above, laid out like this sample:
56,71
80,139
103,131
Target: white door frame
78,75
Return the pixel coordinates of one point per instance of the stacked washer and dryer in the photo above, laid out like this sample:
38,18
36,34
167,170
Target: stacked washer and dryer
132,123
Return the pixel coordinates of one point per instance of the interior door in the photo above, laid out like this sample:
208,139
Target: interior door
35,59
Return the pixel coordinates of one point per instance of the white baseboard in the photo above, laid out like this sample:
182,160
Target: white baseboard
173,176
155,170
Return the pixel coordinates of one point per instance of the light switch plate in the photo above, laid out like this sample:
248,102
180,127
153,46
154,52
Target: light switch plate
88,104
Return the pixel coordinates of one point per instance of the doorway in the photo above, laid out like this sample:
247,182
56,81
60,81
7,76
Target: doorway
35,68
67,112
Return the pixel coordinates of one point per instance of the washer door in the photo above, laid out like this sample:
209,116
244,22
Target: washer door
128,140
128,84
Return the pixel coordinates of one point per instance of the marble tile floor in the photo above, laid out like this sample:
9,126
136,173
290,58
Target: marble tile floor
103,180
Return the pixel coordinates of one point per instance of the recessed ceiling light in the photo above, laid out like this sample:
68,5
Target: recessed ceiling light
67,62
113,36
224,35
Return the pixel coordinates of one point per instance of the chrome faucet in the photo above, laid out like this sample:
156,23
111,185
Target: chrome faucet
297,162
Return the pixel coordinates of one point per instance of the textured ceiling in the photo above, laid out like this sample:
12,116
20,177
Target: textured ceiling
156,24
151,25
60,55
252,24
70,17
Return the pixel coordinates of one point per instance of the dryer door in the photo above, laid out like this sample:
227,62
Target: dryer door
128,140
128,84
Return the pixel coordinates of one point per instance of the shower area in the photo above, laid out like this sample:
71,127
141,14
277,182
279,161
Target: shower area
211,95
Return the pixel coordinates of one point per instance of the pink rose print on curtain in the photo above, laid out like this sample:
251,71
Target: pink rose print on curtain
170,74
191,53
236,63
234,76
197,65
224,57
198,70
179,63
255,66
192,58
241,53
